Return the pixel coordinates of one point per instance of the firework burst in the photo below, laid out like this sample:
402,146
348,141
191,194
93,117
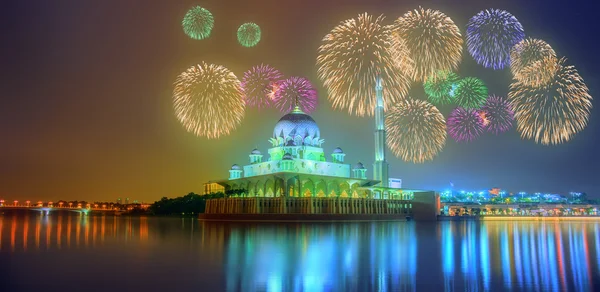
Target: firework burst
470,92
533,62
401,54
497,115
440,87
296,90
465,125
198,23
416,130
351,56
491,34
248,34
433,40
208,100
259,85
555,112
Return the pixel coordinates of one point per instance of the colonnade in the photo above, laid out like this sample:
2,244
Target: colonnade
290,205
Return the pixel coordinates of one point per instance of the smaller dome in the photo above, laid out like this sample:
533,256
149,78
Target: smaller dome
338,150
236,167
287,156
255,152
359,166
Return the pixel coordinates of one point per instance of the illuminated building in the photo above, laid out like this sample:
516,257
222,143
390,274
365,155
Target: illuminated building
210,188
297,167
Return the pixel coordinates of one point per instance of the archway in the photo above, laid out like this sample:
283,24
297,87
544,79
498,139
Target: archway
321,189
355,192
292,187
307,188
260,189
269,188
332,189
344,190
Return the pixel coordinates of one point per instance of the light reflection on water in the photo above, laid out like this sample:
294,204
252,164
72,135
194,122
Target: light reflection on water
171,253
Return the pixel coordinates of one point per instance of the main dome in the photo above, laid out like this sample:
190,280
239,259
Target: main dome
297,124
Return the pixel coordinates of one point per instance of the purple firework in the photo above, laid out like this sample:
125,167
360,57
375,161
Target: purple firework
259,85
497,115
296,90
465,125
491,34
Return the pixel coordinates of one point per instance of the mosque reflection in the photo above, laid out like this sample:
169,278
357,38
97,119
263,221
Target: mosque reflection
322,258
392,256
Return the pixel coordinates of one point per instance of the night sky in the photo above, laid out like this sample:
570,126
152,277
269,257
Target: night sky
86,98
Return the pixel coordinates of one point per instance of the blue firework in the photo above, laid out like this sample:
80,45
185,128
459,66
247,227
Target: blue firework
491,34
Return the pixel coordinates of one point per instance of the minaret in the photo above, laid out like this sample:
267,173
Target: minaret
380,167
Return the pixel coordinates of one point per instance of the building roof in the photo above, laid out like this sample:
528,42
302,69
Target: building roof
359,166
296,123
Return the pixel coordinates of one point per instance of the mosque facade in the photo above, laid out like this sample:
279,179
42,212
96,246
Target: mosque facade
297,176
297,166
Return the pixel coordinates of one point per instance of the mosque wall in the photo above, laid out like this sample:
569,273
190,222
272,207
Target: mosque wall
298,166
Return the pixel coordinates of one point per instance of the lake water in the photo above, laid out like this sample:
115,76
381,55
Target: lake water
69,252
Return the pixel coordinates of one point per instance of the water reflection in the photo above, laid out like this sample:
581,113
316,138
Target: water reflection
519,256
393,256
322,258
41,232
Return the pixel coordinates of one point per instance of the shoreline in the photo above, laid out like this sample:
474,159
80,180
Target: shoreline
518,218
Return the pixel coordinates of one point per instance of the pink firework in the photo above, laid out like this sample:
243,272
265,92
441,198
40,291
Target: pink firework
259,84
465,125
498,115
295,90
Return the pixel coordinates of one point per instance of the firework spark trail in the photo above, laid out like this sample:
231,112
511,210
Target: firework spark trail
198,23
439,87
208,100
555,112
249,34
416,130
471,92
491,34
433,40
465,125
296,90
498,115
351,56
259,85
533,62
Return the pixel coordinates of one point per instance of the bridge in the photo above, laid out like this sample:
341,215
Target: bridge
47,208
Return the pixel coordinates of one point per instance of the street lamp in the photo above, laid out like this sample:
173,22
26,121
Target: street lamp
27,203
70,204
40,204
16,202
60,204
1,202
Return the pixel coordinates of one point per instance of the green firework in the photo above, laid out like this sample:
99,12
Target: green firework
198,23
471,93
439,87
248,34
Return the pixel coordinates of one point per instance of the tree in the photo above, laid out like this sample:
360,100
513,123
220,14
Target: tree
190,204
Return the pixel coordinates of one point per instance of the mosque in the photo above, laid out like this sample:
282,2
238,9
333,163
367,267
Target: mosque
297,177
